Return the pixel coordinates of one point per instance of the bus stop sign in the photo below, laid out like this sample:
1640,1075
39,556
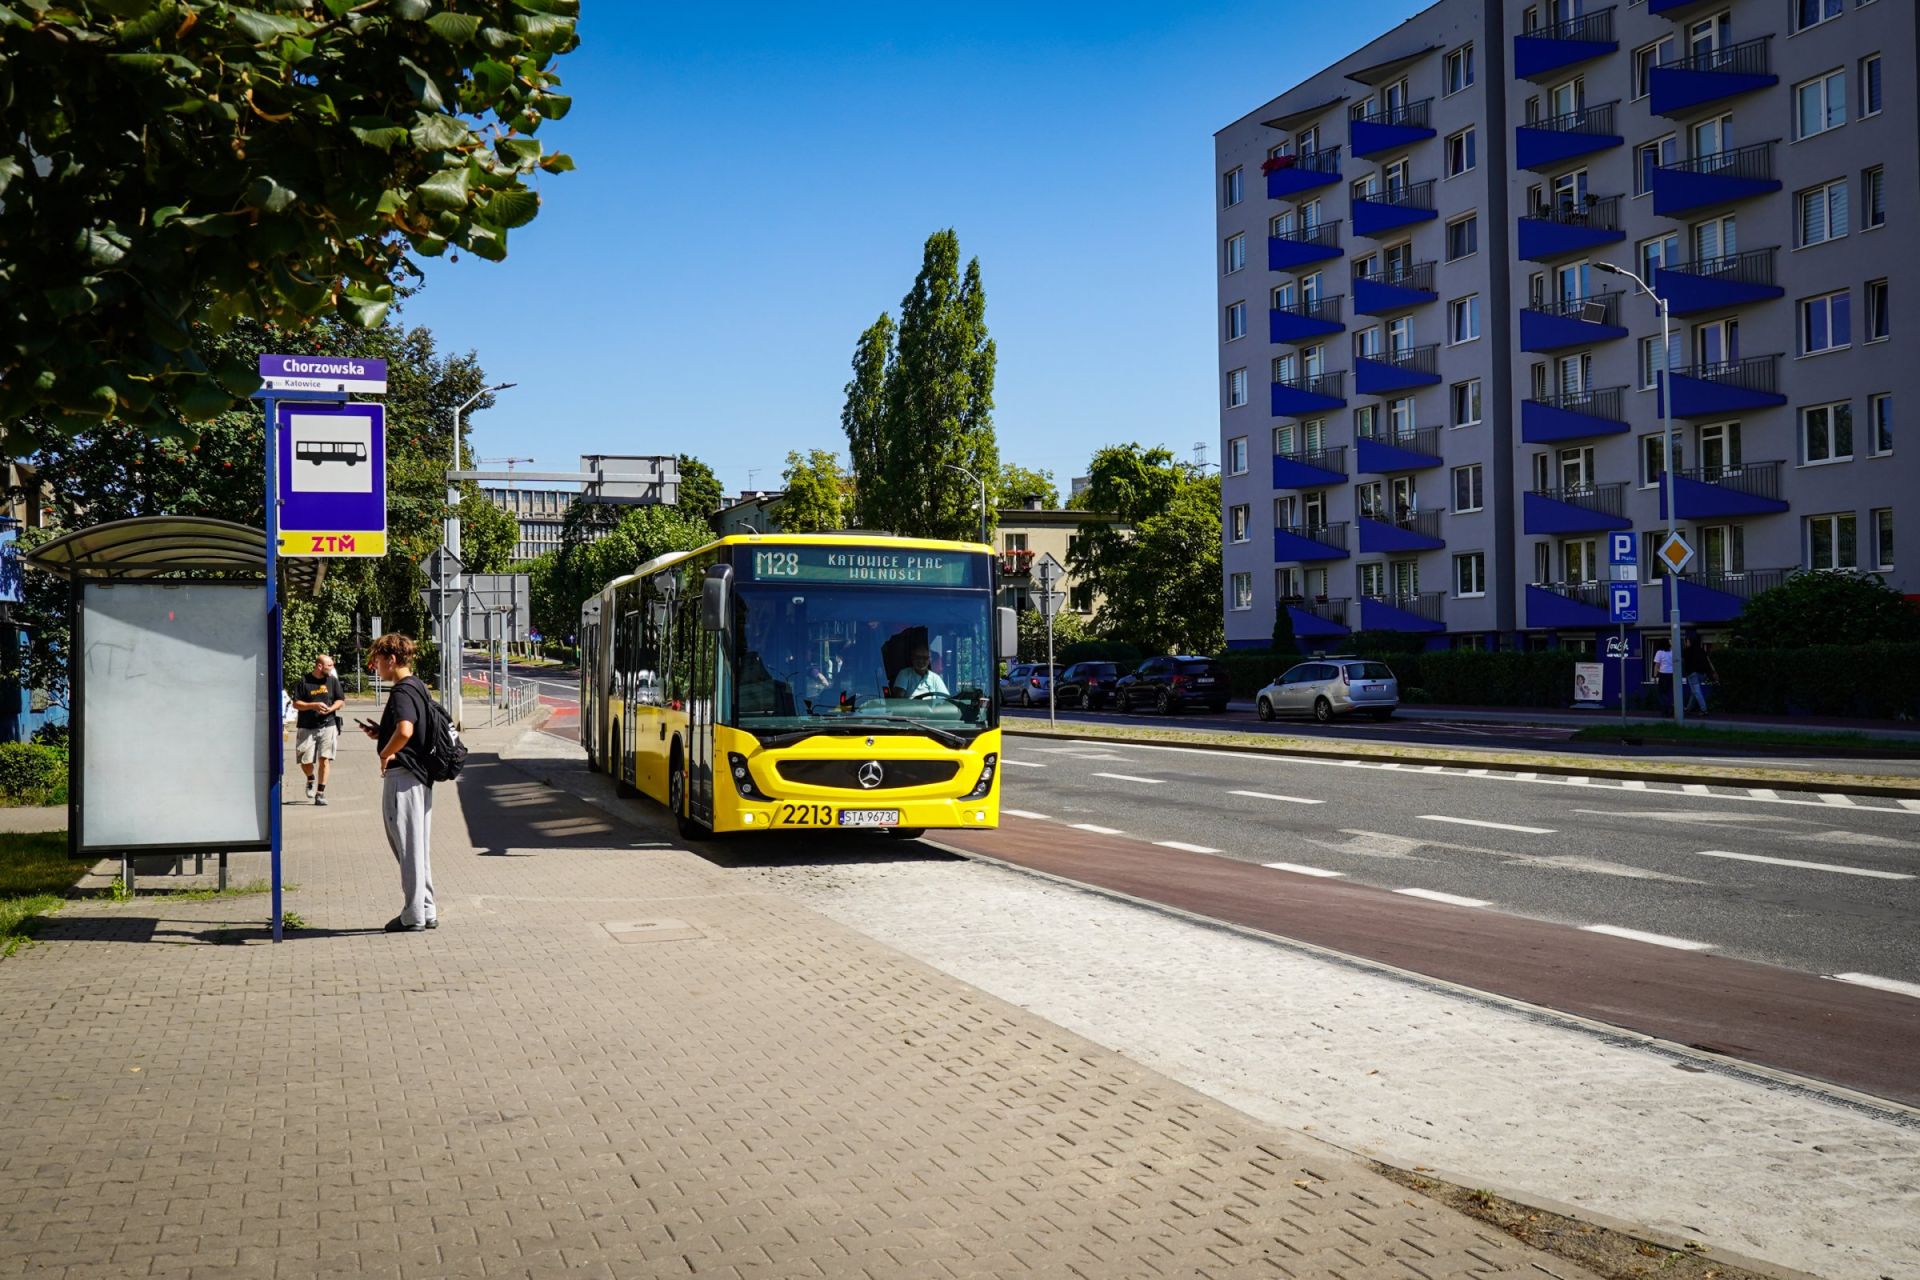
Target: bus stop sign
333,478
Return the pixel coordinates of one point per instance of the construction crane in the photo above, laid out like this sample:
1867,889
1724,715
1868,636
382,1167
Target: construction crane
510,463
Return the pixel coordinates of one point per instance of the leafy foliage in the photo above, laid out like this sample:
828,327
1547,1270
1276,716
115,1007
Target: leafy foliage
1878,680
170,169
1069,628
921,402
1284,641
1816,608
819,495
1016,484
700,491
1156,559
487,533
563,580
31,773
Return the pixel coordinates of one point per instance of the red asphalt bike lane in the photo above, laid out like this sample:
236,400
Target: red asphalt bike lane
1852,1036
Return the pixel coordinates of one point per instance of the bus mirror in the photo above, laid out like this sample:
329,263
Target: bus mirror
715,593
1008,623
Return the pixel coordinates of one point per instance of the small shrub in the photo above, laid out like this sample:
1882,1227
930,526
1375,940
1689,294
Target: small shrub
32,773
53,735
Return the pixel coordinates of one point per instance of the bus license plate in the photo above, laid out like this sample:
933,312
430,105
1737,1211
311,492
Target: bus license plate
803,815
869,817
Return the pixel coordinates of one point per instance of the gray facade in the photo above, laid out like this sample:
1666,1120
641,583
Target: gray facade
541,514
1753,170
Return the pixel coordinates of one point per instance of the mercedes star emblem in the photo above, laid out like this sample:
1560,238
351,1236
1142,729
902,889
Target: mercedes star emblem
871,774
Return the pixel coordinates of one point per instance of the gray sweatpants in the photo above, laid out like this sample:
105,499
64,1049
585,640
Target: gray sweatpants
406,803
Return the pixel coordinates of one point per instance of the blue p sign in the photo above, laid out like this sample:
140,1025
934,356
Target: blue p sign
1623,602
1620,549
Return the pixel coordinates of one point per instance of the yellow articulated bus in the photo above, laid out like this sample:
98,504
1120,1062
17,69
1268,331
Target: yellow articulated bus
769,682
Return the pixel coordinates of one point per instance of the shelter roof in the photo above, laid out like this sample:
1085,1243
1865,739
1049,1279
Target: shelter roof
148,546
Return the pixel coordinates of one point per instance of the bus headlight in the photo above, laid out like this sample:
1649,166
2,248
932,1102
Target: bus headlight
985,782
743,777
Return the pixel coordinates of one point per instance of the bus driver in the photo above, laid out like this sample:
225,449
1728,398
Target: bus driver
918,681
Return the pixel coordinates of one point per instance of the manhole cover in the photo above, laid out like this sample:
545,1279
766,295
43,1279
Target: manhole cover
662,930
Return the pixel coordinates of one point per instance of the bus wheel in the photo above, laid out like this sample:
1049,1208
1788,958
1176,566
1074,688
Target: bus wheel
677,798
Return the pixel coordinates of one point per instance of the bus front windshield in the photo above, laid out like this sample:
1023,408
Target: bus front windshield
808,657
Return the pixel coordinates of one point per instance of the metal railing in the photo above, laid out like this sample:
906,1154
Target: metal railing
1595,119
1755,161
1424,523
1418,275
1755,266
1603,403
1601,212
1429,605
1402,195
1326,309
1597,27
1755,479
1324,234
1424,440
1745,583
1755,373
1594,308
1324,160
1749,57
1319,384
1606,499
1591,594
1327,535
1413,115
1334,459
1414,359
1334,610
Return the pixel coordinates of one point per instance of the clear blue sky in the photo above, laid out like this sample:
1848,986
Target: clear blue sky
755,183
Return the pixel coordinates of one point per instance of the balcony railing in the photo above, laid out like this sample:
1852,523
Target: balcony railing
1755,266
1595,27
1402,195
1326,309
1327,610
1417,440
1324,234
1755,479
1413,359
1603,403
1594,308
1599,212
1328,535
1591,594
1334,459
1755,373
1745,583
1418,275
1016,563
1317,384
1755,162
1595,119
1413,115
1749,57
1430,605
1605,499
1424,523
1325,160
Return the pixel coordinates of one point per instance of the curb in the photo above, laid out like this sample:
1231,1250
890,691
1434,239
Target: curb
1854,784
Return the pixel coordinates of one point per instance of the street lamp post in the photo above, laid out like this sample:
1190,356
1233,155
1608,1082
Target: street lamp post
983,494
453,638
1673,507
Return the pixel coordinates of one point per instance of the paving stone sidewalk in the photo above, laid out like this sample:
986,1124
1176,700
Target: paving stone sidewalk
615,1058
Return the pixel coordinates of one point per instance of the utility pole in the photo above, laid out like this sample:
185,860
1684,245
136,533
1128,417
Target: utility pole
453,627
983,494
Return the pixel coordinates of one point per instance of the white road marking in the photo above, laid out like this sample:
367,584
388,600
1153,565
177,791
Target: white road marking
1128,777
1634,784
1299,870
1807,866
1099,831
1451,899
1880,984
1026,813
1912,806
1695,789
1268,795
1184,847
1494,826
1834,797
1657,939
1764,793
1021,764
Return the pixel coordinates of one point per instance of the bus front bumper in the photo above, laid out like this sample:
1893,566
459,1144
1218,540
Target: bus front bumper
864,814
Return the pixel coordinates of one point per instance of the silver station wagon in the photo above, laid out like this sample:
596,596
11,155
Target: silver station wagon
1330,687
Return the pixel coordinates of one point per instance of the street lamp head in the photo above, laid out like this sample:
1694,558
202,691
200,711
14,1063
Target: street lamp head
1607,267
502,386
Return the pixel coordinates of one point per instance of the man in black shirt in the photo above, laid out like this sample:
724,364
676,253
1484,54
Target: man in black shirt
406,790
319,698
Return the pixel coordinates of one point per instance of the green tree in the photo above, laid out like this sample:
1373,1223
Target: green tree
921,403
1017,483
1819,608
818,493
1284,640
1156,559
1068,628
487,533
700,491
561,581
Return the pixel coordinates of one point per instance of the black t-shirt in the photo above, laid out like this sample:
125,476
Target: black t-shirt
326,689
408,701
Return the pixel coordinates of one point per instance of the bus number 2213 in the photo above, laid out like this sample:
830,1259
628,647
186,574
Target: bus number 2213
776,564
805,815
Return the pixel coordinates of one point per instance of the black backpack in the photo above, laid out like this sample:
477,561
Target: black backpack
441,749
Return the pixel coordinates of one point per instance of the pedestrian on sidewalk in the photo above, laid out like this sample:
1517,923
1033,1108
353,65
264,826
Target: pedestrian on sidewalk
1696,664
406,789
316,733
1663,669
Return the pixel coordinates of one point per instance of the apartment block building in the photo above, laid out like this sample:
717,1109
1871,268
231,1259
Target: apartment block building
1463,404
541,514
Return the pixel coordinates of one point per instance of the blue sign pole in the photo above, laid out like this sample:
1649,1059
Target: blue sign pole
276,682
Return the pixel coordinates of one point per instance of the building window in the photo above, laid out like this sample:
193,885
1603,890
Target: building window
1651,472
1883,538
1466,403
1873,195
1080,597
1463,237
1467,493
1661,251
1237,456
1366,422
1826,433
1463,319
1650,156
1372,580
1870,99
1239,518
1650,359
1880,423
1462,153
1831,542
1811,13
1645,59
1236,255
1459,69
1822,214
1879,322
1236,321
1826,323
1242,591
1236,388
1470,574
1650,560
1400,415
1819,104
1233,187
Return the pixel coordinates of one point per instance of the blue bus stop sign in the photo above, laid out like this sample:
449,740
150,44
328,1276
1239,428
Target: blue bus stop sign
1623,602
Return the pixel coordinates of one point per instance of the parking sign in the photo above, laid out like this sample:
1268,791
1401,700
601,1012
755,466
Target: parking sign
1623,602
1620,549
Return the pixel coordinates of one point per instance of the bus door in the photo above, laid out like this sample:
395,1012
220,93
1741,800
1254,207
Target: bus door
700,719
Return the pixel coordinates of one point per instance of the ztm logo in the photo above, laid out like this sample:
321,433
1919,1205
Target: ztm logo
332,542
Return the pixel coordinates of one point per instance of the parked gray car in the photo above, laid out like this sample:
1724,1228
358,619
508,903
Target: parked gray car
1329,687
1026,684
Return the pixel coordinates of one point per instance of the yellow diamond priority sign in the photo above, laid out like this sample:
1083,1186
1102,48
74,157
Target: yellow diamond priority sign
1676,553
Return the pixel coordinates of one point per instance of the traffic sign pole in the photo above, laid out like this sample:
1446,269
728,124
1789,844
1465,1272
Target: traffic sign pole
276,681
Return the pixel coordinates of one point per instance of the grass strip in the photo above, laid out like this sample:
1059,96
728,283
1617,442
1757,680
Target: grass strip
35,877
1734,736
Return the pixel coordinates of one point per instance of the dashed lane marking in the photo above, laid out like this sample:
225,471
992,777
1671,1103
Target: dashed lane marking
1834,797
1128,777
1657,939
1806,866
1268,795
1184,847
1695,789
1022,764
1911,806
1894,985
1492,826
1025,813
1451,899
1097,830
1299,870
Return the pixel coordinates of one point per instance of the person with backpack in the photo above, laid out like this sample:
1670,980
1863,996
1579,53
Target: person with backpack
406,735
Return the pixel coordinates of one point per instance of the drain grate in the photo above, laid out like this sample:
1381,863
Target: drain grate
662,930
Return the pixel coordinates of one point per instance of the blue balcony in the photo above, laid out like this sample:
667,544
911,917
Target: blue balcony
1309,542
1573,415
1720,178
1392,371
1686,84
1718,284
1310,468
1308,171
1415,450
1675,8
1320,619
1554,325
1545,50
1390,128
1717,597
1550,143
1570,227
1566,606
1388,211
1306,394
1304,247
1578,508
1726,492
1416,611
1725,390
1416,531
1305,321
1388,291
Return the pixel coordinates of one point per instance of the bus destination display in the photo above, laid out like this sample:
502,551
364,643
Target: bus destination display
863,565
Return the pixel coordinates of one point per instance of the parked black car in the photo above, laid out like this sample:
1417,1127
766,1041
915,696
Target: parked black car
1087,685
1167,684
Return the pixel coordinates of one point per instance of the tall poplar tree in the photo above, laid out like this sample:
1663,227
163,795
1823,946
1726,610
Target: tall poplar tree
921,403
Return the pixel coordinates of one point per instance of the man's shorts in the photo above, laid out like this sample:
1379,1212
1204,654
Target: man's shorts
309,744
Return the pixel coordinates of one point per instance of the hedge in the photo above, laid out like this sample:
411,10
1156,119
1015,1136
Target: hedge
1871,681
32,773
